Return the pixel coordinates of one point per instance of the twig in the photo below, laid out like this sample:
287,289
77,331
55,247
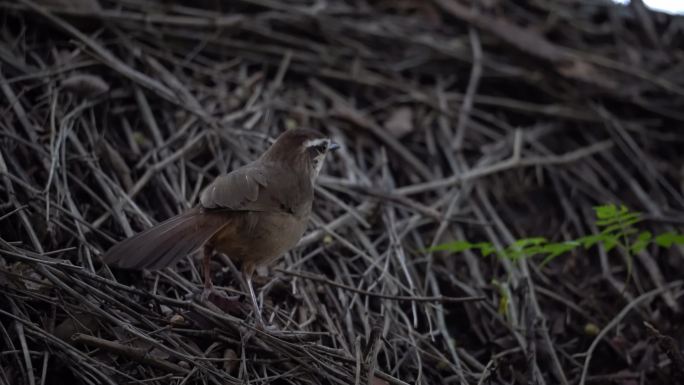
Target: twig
616,320
513,162
137,354
377,295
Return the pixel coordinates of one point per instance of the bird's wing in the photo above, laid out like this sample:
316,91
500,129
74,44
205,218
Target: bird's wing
237,190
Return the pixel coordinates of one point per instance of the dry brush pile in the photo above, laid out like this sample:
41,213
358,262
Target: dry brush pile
488,121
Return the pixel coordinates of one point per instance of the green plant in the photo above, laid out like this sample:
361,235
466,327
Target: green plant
616,225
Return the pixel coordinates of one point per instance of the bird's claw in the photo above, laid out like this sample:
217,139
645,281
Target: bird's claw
228,304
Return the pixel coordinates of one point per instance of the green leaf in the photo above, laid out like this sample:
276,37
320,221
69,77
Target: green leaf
669,238
556,249
610,242
624,220
524,247
622,209
503,303
486,248
605,211
641,242
521,243
591,240
610,214
456,246
510,254
619,229
533,250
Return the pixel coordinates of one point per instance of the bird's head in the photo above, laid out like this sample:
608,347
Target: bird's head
302,149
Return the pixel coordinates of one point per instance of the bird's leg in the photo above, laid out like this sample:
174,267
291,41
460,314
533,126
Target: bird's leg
206,266
257,309
208,290
209,294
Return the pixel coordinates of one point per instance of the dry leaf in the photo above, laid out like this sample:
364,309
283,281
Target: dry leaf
85,85
231,360
400,122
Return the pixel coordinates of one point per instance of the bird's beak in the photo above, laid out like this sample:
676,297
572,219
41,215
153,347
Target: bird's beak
333,146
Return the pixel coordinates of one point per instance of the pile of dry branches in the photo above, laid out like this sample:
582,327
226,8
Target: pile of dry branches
488,121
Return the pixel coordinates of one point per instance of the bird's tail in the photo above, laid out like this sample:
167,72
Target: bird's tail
165,243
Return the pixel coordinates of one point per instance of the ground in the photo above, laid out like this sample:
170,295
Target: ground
486,122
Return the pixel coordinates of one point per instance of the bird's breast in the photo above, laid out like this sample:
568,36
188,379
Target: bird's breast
259,237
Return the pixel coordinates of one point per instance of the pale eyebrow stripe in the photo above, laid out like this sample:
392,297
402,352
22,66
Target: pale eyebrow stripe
315,142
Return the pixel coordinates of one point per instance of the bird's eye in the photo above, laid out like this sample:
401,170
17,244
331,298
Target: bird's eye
315,151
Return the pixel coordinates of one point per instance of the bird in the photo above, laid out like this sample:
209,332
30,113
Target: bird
253,214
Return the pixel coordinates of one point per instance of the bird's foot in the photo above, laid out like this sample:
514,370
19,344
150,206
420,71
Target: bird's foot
227,303
264,326
259,321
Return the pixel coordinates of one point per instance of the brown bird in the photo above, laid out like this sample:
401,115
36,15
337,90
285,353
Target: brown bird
253,214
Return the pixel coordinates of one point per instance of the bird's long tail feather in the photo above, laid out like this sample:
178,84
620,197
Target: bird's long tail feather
165,243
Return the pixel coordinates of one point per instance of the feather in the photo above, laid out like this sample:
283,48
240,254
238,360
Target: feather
166,243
